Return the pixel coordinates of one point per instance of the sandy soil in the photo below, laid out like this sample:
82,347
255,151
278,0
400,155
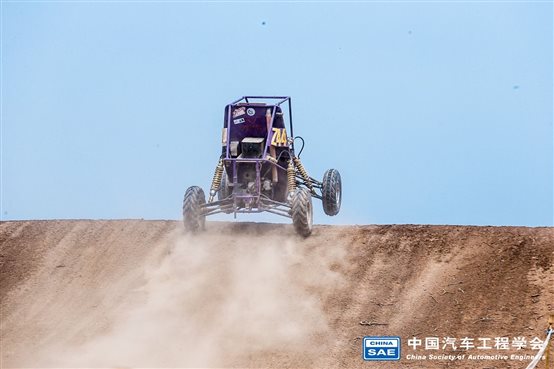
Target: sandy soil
132,293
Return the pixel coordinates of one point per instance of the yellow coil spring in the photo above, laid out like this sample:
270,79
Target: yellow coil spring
216,181
303,173
291,182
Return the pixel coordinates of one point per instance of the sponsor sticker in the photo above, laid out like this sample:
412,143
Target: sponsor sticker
250,112
238,120
381,348
238,112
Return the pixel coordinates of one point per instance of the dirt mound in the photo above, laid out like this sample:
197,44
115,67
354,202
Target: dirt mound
142,293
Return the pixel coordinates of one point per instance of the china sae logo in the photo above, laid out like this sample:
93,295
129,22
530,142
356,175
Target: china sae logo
381,348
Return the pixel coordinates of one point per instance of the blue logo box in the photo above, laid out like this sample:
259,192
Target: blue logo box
381,348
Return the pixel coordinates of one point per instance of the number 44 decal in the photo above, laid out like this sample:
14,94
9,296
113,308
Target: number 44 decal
279,137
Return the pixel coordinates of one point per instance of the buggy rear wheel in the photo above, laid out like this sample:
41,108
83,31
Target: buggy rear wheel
224,191
302,212
332,192
192,211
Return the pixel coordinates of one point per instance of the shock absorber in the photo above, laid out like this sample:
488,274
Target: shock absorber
216,181
303,173
291,181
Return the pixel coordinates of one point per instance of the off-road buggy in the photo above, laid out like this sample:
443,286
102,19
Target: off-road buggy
259,170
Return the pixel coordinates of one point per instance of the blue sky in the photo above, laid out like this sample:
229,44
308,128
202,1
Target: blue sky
434,112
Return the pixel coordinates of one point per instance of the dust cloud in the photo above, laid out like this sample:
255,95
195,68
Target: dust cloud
216,301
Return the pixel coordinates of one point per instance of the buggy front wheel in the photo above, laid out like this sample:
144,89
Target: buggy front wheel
331,192
193,218
302,212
